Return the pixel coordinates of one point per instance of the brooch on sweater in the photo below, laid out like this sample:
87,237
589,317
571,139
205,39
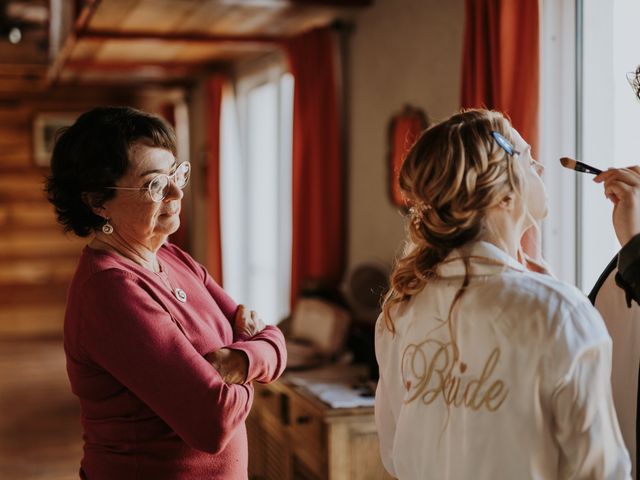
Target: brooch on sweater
180,295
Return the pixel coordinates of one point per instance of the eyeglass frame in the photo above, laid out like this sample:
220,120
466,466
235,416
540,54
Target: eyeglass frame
170,178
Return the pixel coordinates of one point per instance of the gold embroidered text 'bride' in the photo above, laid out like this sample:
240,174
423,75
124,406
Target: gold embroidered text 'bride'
433,369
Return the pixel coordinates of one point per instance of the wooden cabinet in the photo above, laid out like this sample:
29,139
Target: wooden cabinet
295,436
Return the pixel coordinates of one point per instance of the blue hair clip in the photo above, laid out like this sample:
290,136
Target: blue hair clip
504,143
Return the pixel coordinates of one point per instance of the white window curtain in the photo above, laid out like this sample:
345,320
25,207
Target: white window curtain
255,175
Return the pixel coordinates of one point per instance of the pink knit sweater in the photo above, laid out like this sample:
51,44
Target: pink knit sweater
152,406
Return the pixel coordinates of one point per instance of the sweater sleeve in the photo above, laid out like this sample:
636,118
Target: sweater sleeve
628,277
266,351
267,354
126,332
586,425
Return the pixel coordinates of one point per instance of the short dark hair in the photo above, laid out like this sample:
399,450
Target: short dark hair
92,154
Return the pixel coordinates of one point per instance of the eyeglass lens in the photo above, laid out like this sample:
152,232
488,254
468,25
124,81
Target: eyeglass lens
159,186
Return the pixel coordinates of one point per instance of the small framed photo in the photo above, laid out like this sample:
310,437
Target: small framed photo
45,129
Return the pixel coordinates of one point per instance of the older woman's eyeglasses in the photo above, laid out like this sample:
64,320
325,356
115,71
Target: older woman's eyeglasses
158,187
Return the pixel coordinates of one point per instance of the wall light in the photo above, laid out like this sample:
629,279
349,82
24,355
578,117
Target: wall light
15,35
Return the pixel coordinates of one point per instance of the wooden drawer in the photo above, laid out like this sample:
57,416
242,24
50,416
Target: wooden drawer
308,430
273,404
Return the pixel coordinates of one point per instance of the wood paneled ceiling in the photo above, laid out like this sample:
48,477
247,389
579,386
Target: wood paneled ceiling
161,41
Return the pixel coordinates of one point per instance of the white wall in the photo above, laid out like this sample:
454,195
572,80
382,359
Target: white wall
403,51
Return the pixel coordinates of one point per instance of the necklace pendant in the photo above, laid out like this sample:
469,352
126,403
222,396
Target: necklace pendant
181,295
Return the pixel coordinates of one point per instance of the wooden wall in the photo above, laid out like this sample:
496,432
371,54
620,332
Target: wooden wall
37,259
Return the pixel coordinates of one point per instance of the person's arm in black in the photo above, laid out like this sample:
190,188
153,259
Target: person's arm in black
628,276
622,187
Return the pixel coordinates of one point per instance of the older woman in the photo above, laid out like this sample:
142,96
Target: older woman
160,357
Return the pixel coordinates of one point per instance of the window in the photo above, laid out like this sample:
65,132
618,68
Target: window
610,135
588,112
255,172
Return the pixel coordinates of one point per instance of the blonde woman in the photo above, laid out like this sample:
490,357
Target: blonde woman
487,369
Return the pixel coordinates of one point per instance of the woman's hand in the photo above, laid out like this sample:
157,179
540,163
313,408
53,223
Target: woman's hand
622,187
246,323
232,365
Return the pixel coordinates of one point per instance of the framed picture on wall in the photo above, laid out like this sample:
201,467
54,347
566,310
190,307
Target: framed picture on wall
45,128
404,129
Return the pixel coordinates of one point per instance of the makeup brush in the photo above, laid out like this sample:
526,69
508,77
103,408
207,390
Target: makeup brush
572,164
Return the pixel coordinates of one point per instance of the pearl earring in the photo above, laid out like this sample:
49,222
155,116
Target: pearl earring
107,228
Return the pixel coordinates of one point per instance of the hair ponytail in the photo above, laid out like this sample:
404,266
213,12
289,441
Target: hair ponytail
452,175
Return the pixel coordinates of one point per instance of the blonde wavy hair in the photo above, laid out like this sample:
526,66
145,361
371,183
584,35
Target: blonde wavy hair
452,176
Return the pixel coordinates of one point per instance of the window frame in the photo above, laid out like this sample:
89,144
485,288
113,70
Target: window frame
558,126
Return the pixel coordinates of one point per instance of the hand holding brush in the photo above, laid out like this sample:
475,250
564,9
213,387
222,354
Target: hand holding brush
622,187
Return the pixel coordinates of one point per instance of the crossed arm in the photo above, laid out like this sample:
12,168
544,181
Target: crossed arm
258,352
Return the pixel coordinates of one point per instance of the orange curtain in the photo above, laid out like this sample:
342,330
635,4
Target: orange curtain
214,240
181,236
318,177
501,67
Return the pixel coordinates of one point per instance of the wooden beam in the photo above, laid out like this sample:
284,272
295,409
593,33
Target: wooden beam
82,22
85,14
312,3
126,82
333,3
22,69
116,66
131,67
13,86
131,35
